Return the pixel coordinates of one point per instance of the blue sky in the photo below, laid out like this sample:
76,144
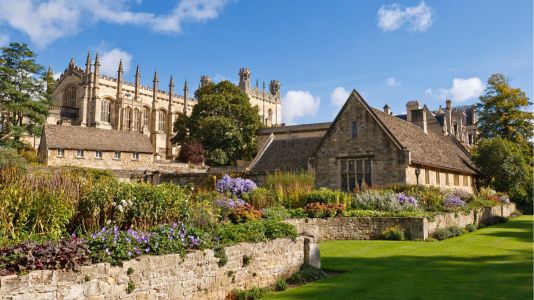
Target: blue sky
390,51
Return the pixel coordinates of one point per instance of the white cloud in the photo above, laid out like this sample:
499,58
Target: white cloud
463,89
4,40
392,82
46,21
299,104
339,95
428,92
56,75
416,18
109,61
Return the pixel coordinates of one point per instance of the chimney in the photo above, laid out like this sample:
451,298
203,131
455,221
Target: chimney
448,116
387,109
411,106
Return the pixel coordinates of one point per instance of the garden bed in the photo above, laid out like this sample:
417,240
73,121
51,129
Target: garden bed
415,228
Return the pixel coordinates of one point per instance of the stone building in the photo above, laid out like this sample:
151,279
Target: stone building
83,97
367,145
460,121
63,145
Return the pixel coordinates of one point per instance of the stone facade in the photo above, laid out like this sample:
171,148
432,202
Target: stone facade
197,276
107,161
366,145
359,228
84,97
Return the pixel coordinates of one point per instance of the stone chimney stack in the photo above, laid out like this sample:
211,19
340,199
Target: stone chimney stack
387,109
448,116
411,106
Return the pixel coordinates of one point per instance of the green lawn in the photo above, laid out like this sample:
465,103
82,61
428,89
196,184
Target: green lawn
491,263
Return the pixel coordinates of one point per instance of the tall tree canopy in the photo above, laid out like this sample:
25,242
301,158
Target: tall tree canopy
223,121
502,111
24,98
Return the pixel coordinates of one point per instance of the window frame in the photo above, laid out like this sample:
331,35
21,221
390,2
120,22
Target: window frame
465,180
456,179
79,153
354,130
438,179
135,155
98,154
60,152
427,176
354,172
117,155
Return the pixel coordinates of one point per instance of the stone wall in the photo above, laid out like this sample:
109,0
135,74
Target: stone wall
197,276
359,228
107,161
487,215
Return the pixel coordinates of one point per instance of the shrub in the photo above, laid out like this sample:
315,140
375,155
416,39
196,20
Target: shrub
254,231
244,213
278,213
471,227
65,254
395,233
9,158
306,274
191,153
322,210
262,198
456,231
216,157
281,285
297,213
250,294
384,200
442,234
235,186
220,253
322,195
453,202
290,187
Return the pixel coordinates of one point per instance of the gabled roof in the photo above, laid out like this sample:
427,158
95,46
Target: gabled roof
89,138
287,154
295,128
433,149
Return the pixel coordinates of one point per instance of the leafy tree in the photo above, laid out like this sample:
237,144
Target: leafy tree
506,168
193,153
24,99
501,112
223,121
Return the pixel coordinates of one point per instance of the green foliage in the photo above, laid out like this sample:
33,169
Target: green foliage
246,260
501,112
131,287
394,233
442,234
281,285
368,213
290,187
506,168
223,121
306,274
327,196
471,227
9,158
220,253
250,294
24,101
262,198
130,271
245,213
254,231
278,213
297,213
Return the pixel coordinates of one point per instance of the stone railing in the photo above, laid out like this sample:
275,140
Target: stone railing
361,228
196,276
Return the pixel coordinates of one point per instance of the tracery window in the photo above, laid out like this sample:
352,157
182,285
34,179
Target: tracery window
69,96
127,118
136,120
161,120
105,111
355,173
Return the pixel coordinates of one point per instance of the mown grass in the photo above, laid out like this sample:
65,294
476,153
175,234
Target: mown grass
491,263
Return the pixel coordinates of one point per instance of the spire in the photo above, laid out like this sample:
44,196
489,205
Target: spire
49,71
97,64
71,63
88,62
120,66
186,95
171,82
155,76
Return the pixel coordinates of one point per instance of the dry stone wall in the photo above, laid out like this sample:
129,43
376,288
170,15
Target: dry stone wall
359,228
197,276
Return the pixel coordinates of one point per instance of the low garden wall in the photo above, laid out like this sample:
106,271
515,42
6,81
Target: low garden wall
364,228
196,276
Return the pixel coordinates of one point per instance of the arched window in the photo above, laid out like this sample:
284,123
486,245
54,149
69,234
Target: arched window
69,96
105,111
161,120
269,117
136,120
146,115
127,118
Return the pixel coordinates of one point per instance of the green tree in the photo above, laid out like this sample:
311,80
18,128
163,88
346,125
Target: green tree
223,121
501,112
24,98
506,168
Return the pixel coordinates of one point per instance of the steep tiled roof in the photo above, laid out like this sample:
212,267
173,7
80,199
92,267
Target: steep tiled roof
287,154
89,138
432,148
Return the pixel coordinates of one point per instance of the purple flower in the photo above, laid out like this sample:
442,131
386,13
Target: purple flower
406,200
504,199
147,249
453,202
236,186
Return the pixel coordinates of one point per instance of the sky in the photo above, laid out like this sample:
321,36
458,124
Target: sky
389,51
